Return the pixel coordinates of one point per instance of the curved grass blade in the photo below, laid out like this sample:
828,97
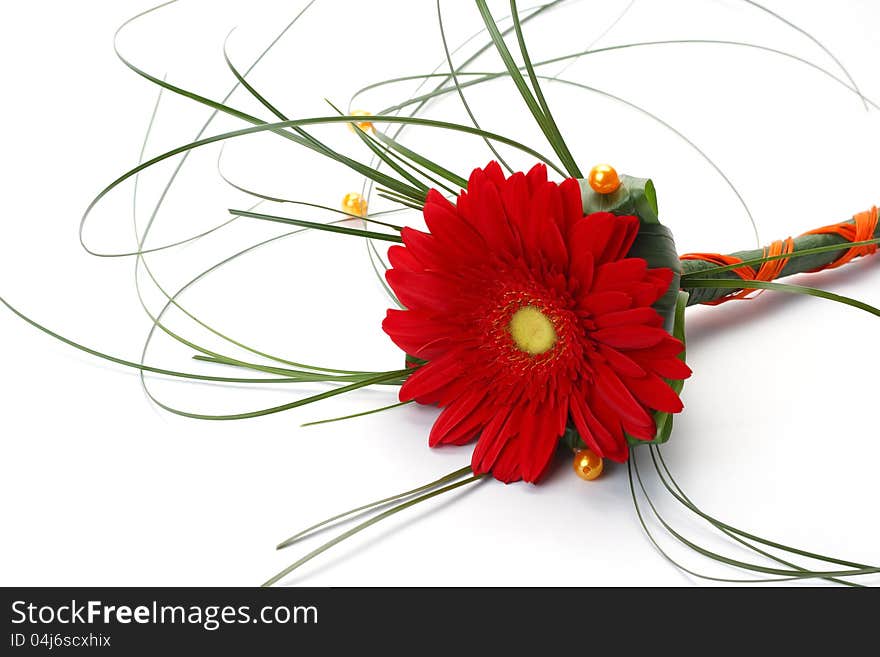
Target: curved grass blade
220,359
366,507
793,574
172,178
650,536
713,42
355,415
210,357
779,287
275,127
140,366
308,142
656,118
601,36
421,160
633,465
370,218
368,171
330,228
550,131
739,535
173,302
381,153
467,107
382,378
399,129
566,156
369,523
484,77
393,150
814,40
201,131
293,375
539,10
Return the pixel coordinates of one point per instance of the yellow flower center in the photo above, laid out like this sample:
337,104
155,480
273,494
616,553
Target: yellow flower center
532,331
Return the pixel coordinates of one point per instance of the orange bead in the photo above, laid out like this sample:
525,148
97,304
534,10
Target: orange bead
587,464
366,126
603,179
354,203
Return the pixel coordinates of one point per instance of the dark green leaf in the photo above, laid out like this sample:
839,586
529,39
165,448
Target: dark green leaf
655,244
664,420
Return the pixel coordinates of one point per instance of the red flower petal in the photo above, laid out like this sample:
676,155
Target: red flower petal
536,177
643,315
621,363
654,392
610,389
455,238
606,440
527,454
543,238
619,275
572,206
608,237
515,198
422,246
460,421
494,173
605,302
417,333
668,368
486,213
630,336
580,270
424,290
423,384
401,258
503,425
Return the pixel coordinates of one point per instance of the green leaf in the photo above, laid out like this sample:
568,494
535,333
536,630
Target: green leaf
637,196
647,202
655,244
664,420
572,439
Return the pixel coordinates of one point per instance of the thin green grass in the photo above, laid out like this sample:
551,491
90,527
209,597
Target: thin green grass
369,523
405,184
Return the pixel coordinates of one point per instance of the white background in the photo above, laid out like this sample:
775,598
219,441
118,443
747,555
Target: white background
100,487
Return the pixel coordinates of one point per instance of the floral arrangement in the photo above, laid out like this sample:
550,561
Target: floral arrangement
540,310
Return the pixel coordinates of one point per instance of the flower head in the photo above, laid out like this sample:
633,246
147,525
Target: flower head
530,315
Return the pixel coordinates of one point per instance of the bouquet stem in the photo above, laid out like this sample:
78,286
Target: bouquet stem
810,252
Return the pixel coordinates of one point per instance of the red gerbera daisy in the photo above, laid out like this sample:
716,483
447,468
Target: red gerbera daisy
530,315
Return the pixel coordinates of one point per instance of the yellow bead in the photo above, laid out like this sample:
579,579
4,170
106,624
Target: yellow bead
603,179
366,126
355,204
587,464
